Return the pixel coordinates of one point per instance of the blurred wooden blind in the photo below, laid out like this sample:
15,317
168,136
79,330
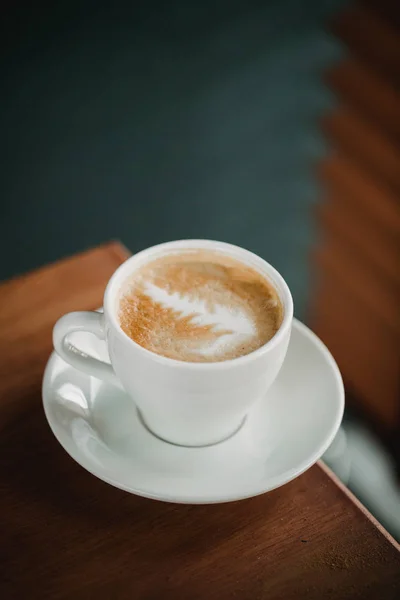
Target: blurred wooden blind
356,304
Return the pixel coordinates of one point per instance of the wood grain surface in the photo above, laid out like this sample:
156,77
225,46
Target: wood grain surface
369,284
368,92
344,179
371,37
348,316
67,535
378,250
365,143
355,303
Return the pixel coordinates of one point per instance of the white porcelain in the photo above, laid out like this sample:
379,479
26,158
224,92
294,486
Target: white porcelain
285,433
191,404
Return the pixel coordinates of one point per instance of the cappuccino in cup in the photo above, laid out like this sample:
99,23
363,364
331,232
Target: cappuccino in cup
199,306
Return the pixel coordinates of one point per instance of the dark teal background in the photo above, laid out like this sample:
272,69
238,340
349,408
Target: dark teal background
155,121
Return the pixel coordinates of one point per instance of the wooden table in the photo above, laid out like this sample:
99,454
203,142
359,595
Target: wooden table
67,535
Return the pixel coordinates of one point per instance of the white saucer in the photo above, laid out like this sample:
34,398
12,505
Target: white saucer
287,432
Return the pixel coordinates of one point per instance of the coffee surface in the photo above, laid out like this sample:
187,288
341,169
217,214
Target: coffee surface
199,306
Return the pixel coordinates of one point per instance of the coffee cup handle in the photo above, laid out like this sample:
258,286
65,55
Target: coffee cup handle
91,322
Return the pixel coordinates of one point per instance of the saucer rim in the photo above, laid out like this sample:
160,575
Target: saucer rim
274,483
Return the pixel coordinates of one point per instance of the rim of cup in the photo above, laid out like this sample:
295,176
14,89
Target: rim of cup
248,258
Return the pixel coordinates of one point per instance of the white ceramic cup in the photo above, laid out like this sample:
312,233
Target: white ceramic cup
190,404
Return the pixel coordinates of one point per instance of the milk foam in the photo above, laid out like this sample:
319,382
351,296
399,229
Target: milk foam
221,318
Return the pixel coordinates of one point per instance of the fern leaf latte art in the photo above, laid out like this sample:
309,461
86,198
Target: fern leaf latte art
199,306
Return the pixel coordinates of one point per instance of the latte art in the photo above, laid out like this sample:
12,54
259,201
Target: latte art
199,307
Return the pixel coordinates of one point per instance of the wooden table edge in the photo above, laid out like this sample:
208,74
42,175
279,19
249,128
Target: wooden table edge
119,250
354,500
114,247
